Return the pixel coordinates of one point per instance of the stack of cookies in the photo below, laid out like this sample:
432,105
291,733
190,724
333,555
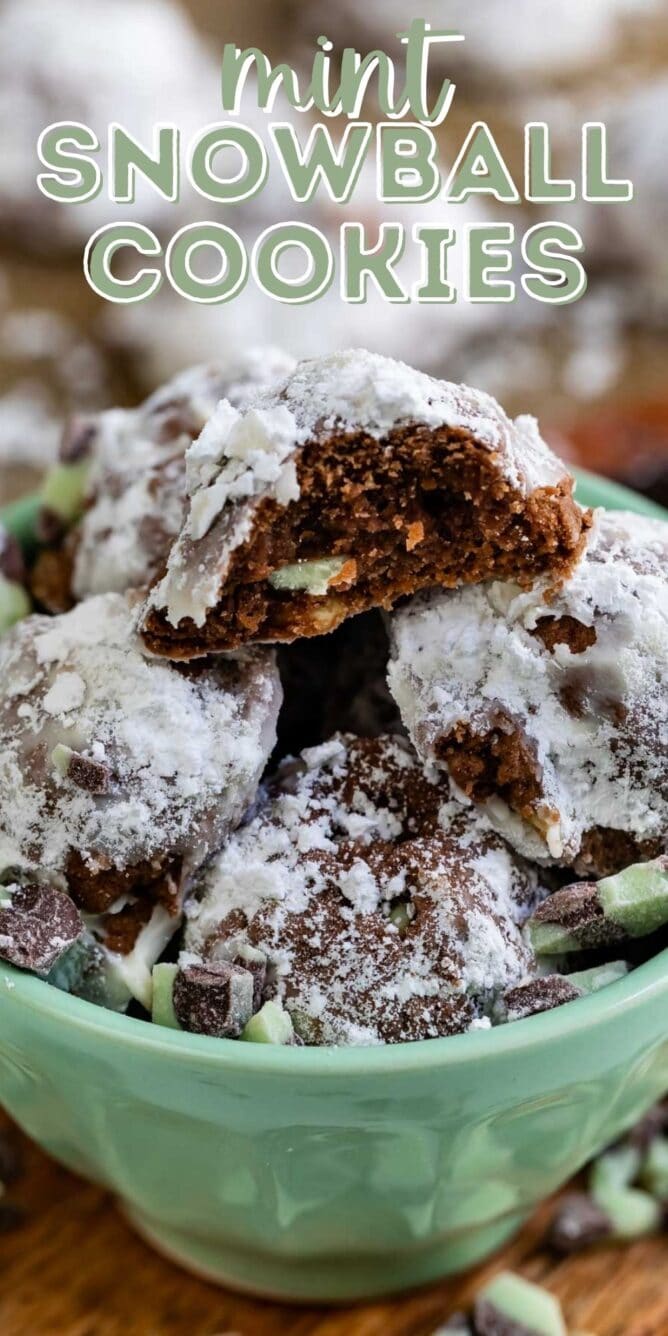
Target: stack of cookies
472,671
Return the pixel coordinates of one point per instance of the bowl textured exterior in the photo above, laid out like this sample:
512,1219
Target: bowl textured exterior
325,1174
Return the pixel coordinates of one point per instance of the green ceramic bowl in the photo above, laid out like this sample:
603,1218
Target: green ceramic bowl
333,1174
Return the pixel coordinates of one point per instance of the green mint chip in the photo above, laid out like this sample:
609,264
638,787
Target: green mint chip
61,757
162,996
599,976
313,577
637,898
551,939
632,1213
518,1300
270,1025
401,916
614,1170
64,490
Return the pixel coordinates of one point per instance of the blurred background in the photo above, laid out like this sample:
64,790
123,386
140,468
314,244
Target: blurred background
594,372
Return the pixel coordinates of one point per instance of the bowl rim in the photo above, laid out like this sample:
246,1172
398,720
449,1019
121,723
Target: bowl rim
639,985
646,983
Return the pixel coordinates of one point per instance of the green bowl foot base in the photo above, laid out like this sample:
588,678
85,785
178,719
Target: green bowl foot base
334,1280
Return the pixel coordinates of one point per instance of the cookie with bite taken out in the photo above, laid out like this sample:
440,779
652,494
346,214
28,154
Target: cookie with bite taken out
349,484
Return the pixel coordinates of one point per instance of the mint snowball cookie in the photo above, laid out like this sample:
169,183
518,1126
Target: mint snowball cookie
120,774
551,709
122,475
363,901
350,483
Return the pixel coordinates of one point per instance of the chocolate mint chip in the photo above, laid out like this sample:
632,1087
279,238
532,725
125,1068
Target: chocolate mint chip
490,1321
529,999
93,776
572,919
270,1025
247,957
214,999
37,926
585,916
578,1223
637,898
512,1306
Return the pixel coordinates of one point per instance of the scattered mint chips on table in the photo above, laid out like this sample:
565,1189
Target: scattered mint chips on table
509,1306
516,1300
632,1212
615,1169
654,1169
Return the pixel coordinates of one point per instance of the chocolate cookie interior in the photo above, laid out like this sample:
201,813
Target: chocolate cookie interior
419,507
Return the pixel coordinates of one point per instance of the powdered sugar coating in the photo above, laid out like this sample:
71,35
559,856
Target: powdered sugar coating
137,483
243,458
164,763
594,719
350,830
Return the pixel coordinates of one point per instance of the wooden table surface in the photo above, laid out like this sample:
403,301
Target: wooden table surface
74,1268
